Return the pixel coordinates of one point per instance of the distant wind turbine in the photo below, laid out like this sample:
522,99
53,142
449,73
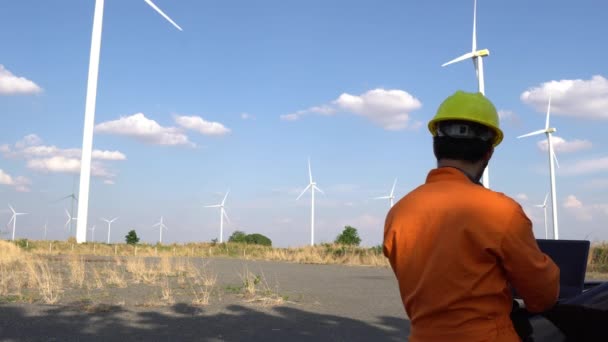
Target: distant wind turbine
548,132
222,214
14,219
45,224
477,56
89,116
161,226
312,185
70,219
93,233
391,196
109,226
544,206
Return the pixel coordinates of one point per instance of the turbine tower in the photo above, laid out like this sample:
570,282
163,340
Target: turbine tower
109,226
312,185
391,196
222,214
89,116
548,132
544,206
161,225
14,219
477,56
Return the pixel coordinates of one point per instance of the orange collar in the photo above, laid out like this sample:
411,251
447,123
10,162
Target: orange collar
449,173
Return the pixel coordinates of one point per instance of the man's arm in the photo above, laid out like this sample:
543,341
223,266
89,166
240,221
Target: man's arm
532,273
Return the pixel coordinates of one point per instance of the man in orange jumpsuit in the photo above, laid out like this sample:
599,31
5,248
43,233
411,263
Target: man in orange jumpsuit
458,248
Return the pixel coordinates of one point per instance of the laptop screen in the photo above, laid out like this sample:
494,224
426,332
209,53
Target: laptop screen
571,258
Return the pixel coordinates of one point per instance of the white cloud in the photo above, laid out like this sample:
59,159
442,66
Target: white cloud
61,164
20,183
572,202
389,109
576,98
247,116
198,124
580,211
564,146
45,158
586,166
13,85
144,129
108,182
522,197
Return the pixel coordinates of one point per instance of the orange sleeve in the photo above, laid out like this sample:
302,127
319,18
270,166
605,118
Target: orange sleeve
532,273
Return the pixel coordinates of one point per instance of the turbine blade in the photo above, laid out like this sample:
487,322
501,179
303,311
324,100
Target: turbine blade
114,219
226,216
555,157
303,191
383,197
540,131
149,2
224,200
393,189
309,170
548,113
316,188
461,58
474,48
213,206
545,201
68,214
12,209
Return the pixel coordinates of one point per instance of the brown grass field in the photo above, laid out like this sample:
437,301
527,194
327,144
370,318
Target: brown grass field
53,272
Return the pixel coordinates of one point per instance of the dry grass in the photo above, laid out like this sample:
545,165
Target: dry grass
77,270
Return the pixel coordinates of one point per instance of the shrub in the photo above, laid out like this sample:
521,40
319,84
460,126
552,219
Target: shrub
131,238
238,236
258,239
349,236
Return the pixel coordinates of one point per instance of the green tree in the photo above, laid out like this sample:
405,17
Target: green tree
238,236
131,238
258,239
349,236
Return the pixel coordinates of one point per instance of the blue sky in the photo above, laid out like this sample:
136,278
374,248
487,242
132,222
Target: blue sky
248,91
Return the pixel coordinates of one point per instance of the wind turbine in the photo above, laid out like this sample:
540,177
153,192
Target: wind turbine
89,116
544,206
548,132
70,219
222,214
477,56
161,225
109,226
312,185
93,233
14,219
391,196
45,224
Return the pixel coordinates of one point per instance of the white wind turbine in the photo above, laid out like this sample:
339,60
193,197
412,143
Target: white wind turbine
544,206
161,226
548,132
109,226
70,219
391,196
222,214
14,219
92,233
312,185
477,56
89,116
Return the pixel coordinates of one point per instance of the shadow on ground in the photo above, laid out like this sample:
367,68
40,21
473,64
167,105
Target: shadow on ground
183,322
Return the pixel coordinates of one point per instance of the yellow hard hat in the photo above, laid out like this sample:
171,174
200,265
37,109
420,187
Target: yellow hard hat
472,107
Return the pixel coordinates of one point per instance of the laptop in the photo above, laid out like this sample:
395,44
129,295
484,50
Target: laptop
571,257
